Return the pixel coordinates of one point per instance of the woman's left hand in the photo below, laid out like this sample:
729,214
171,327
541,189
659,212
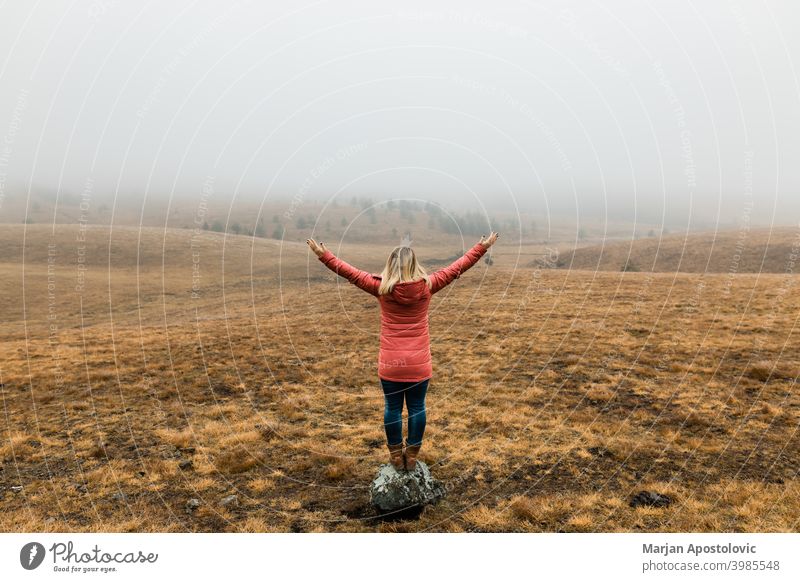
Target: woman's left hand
488,242
318,248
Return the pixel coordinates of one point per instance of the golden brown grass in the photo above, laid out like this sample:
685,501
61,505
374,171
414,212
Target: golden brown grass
556,397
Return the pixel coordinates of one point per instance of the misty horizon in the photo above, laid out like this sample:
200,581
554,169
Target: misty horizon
676,115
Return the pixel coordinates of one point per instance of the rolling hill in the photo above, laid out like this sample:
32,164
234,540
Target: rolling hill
754,251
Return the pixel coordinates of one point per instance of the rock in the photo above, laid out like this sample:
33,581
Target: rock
16,488
81,487
399,491
230,500
185,464
119,497
192,504
650,499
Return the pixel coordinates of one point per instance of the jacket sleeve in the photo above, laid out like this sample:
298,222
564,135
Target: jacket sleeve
443,277
360,279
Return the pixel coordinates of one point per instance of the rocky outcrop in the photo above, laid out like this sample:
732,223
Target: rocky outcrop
650,499
404,492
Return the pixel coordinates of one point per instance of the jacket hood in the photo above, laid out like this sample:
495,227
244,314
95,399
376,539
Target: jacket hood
409,291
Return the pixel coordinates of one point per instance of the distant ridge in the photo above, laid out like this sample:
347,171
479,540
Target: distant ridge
735,251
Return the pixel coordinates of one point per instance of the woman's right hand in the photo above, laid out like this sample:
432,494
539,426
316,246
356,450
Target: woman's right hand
318,248
487,242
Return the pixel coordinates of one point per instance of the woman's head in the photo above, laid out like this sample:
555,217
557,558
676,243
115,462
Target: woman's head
401,266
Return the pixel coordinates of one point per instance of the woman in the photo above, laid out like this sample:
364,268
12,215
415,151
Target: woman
404,290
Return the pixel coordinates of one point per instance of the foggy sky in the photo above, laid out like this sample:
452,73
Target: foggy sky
651,110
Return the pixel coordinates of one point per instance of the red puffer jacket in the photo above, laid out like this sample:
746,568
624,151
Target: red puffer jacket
405,354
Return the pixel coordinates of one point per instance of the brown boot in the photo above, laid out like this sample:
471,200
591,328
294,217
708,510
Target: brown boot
410,455
396,455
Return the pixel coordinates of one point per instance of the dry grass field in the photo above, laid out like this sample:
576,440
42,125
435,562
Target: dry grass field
150,367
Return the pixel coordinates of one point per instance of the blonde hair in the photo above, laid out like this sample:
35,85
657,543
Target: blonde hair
401,266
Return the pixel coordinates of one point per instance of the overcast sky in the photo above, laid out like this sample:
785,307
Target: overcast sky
640,109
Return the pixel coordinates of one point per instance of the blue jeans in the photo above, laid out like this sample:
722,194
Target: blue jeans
414,395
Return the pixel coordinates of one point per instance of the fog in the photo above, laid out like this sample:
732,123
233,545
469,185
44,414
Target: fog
675,112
